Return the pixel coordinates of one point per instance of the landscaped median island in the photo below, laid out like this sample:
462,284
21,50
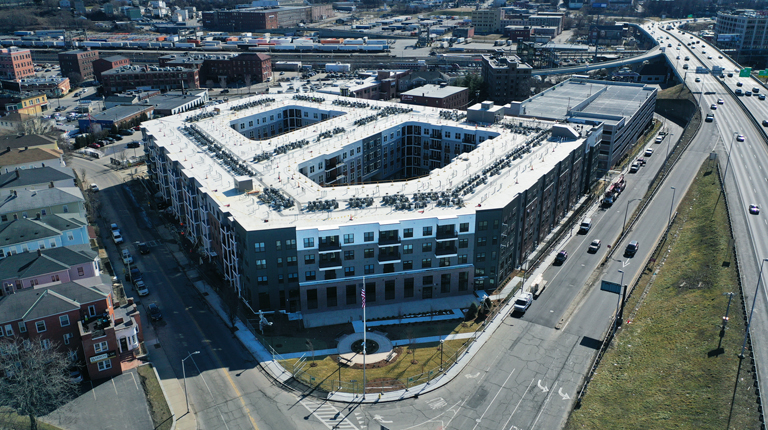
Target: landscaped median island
673,365
158,406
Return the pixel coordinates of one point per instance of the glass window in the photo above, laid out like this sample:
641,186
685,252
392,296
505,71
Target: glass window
408,232
368,236
426,247
100,347
40,326
64,320
309,259
464,227
481,241
407,249
290,244
278,245
261,264
349,255
309,242
482,226
369,269
349,271
463,243
310,275
408,265
426,262
104,365
349,238
427,231
368,253
259,246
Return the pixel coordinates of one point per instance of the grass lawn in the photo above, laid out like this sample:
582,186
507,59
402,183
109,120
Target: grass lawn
10,420
158,407
673,367
393,376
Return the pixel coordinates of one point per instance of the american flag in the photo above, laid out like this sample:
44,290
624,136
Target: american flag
362,294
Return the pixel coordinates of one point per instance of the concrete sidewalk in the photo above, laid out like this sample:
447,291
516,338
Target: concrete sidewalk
172,386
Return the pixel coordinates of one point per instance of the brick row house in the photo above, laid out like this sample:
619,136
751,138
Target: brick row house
78,318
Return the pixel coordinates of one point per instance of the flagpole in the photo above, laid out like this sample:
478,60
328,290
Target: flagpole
365,332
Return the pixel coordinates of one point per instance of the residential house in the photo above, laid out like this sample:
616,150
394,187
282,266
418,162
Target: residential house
47,266
15,204
53,231
28,157
37,179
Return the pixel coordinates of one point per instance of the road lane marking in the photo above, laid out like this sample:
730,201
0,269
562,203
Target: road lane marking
549,396
518,405
544,389
329,415
565,396
494,398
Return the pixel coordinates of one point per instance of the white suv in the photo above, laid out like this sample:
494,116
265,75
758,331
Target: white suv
117,237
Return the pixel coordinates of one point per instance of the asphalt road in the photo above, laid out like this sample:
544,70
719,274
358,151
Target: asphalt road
226,388
746,179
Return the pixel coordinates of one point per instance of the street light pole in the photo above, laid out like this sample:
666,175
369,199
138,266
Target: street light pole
752,312
624,225
184,372
728,162
671,206
441,354
619,309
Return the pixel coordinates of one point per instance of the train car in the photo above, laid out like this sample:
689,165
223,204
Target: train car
349,48
354,42
376,42
284,48
260,48
373,48
211,48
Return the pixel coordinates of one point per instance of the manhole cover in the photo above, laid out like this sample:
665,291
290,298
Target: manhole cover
371,346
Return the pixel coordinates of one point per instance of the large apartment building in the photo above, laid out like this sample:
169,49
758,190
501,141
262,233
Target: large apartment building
303,200
163,78
16,64
507,77
265,18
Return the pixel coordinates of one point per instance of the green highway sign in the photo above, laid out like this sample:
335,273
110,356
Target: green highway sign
745,72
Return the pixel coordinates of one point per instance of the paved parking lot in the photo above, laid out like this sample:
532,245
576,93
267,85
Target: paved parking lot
117,403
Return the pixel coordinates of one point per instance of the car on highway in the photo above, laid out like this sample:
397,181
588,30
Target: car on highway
154,312
648,152
594,246
761,96
710,117
709,57
720,57
678,57
141,288
740,138
713,106
730,75
143,248
523,302
698,79
687,58
561,257
738,84
634,167
685,66
765,123
755,90
631,249
738,92
754,209
748,93
720,101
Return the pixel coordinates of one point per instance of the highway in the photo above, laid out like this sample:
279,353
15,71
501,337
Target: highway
747,178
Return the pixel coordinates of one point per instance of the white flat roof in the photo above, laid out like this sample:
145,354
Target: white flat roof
282,171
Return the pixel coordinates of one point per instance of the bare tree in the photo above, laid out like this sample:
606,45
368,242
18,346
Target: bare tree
83,174
223,81
34,125
311,347
35,378
247,79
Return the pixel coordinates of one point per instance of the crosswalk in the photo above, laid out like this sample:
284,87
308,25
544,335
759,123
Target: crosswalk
331,416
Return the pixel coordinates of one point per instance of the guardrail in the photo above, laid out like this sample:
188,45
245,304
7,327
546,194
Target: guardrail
758,126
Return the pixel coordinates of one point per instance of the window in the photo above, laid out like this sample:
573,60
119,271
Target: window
349,271
8,330
92,310
408,265
70,236
426,262
349,255
369,270
463,243
480,257
426,247
427,231
370,292
482,226
407,249
312,299
479,271
259,246
290,244
40,326
310,275
389,290
309,242
80,271
100,347
408,232
351,294
104,365
22,327
427,280
45,343
65,209
64,320
368,236
309,259
408,288
463,259
349,238
293,277
67,337
279,261
481,241
261,264
331,299
261,280
368,253
292,261
55,278
445,262
278,245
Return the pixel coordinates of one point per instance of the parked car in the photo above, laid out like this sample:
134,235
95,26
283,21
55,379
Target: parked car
523,302
648,152
561,257
126,132
631,249
754,209
154,312
114,227
134,275
117,237
132,145
594,246
141,288
127,257
634,167
94,188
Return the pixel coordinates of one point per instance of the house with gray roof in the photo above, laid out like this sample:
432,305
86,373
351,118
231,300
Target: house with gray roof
27,157
53,231
47,266
82,321
37,178
21,203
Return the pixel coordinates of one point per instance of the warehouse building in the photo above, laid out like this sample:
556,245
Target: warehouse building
300,200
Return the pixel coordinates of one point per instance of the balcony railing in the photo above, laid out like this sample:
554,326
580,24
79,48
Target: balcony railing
388,256
388,240
446,234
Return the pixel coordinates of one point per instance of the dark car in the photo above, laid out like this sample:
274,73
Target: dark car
116,137
134,275
631,249
154,312
224,91
754,209
143,248
126,132
561,257
132,145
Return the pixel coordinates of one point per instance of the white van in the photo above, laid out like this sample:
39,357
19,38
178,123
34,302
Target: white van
585,226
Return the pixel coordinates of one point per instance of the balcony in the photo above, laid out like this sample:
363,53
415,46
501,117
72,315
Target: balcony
330,264
446,234
388,239
446,252
389,257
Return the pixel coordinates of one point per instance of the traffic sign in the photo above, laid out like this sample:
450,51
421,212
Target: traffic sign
745,72
762,74
611,287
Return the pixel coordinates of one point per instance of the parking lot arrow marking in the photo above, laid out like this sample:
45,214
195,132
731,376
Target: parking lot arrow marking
565,396
544,388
